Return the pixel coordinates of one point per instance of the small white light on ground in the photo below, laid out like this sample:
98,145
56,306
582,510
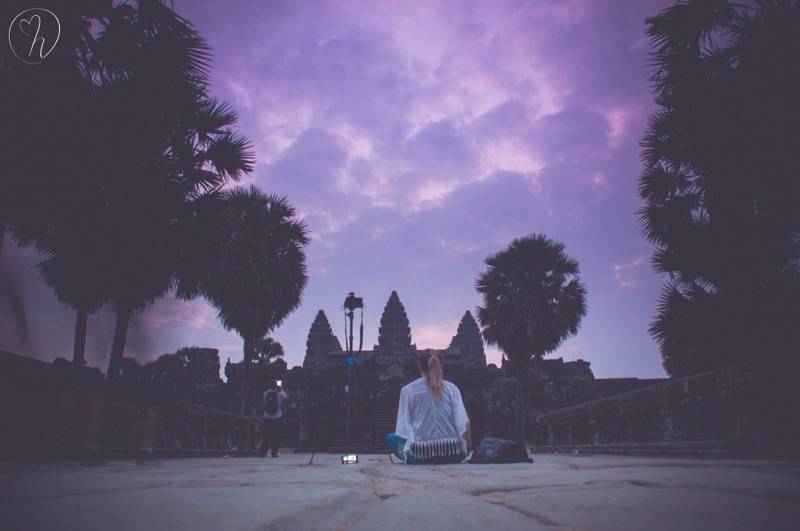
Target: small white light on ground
350,459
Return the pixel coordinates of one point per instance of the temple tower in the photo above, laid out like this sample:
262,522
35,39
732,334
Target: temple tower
468,343
320,342
394,334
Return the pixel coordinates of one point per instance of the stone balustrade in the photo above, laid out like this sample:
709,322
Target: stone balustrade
745,409
749,408
62,412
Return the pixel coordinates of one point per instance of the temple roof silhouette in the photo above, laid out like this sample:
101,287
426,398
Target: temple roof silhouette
395,331
468,338
324,349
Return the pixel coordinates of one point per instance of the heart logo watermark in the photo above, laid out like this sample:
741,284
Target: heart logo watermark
33,35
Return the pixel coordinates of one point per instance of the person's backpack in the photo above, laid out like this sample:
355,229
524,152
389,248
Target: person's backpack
271,402
493,450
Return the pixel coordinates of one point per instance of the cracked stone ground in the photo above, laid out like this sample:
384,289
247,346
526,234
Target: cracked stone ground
555,492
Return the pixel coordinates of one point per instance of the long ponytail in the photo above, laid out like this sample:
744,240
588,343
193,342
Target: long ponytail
431,368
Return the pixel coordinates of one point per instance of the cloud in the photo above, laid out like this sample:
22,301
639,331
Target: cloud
625,273
195,314
618,124
417,138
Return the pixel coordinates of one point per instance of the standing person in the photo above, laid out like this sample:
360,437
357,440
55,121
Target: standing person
432,423
273,417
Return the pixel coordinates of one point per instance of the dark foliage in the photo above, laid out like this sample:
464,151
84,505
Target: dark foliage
133,145
721,183
191,373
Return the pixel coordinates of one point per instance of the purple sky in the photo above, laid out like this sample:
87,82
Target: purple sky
417,138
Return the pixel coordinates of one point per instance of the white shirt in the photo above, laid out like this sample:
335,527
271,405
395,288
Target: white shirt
420,418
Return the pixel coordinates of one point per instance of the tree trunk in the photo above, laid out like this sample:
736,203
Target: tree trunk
245,384
79,346
522,404
538,391
3,226
118,346
540,395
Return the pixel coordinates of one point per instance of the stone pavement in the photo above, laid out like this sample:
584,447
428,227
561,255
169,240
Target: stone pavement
555,492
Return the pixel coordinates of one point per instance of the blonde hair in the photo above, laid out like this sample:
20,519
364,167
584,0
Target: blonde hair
431,368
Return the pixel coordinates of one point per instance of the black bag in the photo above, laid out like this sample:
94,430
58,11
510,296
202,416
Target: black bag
493,450
271,402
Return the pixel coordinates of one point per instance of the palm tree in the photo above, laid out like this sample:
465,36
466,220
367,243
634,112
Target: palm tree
132,143
533,300
86,117
77,283
204,155
719,184
260,271
169,143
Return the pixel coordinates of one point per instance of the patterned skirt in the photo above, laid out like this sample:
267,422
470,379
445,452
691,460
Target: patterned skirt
440,451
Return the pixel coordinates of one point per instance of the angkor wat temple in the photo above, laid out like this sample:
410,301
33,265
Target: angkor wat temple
378,375
316,412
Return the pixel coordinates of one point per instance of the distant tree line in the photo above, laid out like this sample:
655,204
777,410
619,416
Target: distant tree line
193,374
190,373
117,167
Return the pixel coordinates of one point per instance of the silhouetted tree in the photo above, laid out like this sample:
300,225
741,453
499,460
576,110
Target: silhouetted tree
191,373
533,299
78,283
130,138
266,349
203,154
58,118
153,70
260,272
183,374
721,181
44,128
164,142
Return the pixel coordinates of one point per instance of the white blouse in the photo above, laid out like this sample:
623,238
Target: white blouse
420,418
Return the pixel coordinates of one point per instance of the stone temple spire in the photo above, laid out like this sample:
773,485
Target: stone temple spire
321,341
394,332
469,342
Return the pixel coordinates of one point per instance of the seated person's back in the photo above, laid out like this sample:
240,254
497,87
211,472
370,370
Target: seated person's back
432,423
426,419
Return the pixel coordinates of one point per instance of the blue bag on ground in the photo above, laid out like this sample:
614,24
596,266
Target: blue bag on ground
493,450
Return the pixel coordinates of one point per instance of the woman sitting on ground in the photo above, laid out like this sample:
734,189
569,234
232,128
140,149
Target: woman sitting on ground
432,423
